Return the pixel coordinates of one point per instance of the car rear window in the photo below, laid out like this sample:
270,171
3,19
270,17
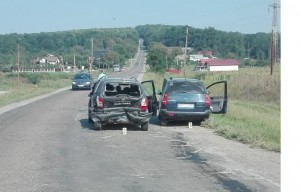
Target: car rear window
113,89
186,87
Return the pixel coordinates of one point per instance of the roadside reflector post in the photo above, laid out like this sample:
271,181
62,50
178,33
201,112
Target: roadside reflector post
124,131
190,125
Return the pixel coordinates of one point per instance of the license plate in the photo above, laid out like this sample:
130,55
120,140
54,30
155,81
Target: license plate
80,85
185,106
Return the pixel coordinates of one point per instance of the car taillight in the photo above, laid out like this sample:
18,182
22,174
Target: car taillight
207,101
100,103
164,100
144,104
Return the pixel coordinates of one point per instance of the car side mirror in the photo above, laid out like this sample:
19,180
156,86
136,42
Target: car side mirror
90,94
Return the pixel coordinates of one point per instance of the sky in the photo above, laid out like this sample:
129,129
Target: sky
34,16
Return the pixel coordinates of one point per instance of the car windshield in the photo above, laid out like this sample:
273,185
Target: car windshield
81,76
186,87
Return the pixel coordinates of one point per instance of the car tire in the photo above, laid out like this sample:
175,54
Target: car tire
98,126
163,122
145,126
89,116
158,115
89,112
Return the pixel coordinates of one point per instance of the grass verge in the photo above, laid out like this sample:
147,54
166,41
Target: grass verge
30,85
253,115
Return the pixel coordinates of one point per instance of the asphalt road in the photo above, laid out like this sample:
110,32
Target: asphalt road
47,144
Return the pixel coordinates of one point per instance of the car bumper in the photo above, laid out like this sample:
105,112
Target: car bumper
124,115
81,86
184,116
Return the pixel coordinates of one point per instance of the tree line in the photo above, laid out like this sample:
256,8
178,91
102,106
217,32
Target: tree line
254,47
121,44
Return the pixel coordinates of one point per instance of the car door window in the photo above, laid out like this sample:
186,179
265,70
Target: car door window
218,96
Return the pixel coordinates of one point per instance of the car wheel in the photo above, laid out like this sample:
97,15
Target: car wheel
159,115
163,122
98,126
145,126
89,115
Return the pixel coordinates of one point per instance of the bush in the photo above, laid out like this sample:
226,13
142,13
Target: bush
33,78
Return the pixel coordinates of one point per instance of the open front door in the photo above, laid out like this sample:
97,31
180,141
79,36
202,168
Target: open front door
151,95
218,96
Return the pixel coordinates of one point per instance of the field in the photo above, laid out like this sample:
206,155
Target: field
253,115
29,85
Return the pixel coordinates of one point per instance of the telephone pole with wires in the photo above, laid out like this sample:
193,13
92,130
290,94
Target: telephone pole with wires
186,41
92,52
18,64
273,55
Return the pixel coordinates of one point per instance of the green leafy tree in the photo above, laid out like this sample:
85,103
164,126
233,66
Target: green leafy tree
156,57
254,46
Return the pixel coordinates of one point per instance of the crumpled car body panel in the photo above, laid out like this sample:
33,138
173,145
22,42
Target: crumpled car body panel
124,115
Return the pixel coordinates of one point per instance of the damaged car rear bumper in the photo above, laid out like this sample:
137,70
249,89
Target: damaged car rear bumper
124,115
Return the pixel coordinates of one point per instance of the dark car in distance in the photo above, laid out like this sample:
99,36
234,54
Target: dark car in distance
82,80
184,99
122,101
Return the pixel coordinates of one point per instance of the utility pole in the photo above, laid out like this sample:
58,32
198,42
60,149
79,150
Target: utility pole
18,64
186,39
92,52
74,63
166,62
274,36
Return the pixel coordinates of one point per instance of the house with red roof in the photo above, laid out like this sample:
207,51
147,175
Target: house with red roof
222,65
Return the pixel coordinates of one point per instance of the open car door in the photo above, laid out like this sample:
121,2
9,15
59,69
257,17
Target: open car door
218,96
151,95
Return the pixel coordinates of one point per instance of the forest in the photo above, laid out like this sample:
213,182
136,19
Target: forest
120,44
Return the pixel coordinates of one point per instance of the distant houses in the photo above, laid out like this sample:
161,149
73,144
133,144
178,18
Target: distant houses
217,65
49,59
222,65
196,57
211,63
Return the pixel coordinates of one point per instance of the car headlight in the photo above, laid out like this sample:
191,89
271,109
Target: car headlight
88,83
74,83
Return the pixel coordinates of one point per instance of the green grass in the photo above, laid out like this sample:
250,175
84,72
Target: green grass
30,85
253,115
33,84
257,124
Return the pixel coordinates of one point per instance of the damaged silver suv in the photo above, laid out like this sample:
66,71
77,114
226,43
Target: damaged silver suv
122,101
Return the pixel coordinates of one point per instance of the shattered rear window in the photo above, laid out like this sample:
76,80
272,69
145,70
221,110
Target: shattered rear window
113,89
